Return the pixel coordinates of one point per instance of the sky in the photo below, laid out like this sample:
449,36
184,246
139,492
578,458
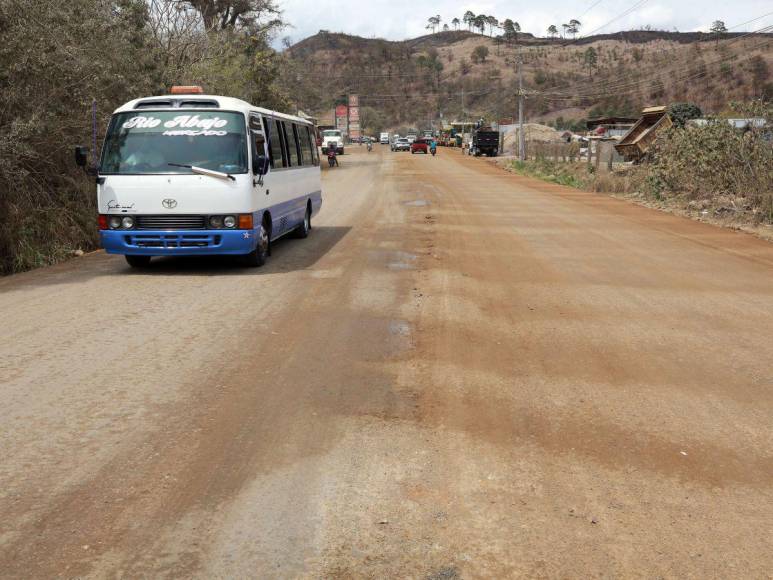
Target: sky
401,19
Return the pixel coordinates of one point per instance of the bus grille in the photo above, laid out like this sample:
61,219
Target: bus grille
173,240
171,222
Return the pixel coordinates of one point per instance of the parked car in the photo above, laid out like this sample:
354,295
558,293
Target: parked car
402,144
420,145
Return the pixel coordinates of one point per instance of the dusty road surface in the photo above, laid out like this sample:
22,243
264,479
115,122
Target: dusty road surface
460,374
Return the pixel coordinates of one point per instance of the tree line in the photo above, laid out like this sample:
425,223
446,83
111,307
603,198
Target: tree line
510,28
61,60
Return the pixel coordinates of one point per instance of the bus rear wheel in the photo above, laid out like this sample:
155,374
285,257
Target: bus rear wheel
138,261
302,231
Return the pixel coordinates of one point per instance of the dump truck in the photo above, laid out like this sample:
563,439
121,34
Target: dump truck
485,141
636,143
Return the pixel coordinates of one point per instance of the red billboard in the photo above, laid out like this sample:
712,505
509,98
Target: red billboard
342,118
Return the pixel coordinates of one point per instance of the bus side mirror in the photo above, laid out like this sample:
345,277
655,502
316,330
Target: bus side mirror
260,160
260,165
81,156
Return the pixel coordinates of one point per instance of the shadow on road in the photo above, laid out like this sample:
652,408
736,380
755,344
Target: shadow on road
288,255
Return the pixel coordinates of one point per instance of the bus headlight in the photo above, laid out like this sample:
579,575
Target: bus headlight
216,222
115,222
127,223
229,221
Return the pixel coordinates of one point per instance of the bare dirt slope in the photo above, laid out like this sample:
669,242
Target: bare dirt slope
408,82
460,374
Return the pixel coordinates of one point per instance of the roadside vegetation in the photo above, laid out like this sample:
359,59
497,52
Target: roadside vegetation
714,171
60,59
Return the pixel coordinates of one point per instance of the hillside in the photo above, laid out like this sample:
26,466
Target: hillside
410,82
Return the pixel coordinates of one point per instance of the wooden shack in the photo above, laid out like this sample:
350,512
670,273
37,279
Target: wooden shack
635,144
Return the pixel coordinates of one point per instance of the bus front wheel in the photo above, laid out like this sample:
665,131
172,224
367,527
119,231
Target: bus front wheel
138,261
259,255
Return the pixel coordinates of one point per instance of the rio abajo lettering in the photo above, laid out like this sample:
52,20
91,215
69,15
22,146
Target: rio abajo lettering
183,125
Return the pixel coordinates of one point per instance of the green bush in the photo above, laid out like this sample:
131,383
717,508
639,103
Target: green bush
717,160
57,58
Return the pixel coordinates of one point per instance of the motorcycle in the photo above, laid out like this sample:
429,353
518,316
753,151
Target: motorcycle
370,146
331,157
433,150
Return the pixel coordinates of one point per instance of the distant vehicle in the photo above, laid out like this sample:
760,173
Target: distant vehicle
412,137
393,142
189,174
332,138
485,141
384,138
420,146
428,135
402,144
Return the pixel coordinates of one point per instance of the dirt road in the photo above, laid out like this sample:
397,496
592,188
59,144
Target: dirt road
460,374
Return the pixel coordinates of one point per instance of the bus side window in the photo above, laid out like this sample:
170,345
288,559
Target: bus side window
257,137
311,147
314,141
275,143
299,145
280,127
292,147
255,124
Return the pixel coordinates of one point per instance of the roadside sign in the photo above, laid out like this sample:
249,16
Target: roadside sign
354,117
342,117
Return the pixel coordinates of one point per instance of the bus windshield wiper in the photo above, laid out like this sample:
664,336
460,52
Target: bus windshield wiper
202,171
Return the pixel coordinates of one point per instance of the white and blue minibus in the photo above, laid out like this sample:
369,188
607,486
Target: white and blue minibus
189,174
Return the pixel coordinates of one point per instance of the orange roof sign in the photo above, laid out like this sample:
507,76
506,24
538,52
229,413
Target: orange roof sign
187,90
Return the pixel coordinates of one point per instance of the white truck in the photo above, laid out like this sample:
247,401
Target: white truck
332,138
384,139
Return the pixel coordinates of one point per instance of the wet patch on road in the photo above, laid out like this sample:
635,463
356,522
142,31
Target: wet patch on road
399,328
396,260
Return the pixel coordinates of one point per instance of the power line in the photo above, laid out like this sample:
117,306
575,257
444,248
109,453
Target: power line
625,13
631,10
590,8
750,21
610,83
638,85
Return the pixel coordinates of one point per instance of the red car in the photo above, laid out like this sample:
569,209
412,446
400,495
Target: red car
420,145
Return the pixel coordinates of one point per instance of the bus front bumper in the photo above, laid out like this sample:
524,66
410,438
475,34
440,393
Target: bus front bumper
179,242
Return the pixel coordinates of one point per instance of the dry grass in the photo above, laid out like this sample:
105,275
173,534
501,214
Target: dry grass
713,174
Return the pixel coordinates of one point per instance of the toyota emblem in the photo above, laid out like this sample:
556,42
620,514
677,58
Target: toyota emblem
169,203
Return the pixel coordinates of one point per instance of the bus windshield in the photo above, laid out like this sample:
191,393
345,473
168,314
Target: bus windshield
147,142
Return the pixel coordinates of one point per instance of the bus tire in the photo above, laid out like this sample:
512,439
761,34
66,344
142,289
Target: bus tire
138,261
257,257
302,231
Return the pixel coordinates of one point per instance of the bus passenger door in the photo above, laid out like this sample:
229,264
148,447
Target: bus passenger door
260,156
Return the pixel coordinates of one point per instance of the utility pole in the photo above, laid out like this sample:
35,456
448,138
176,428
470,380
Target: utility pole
521,136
